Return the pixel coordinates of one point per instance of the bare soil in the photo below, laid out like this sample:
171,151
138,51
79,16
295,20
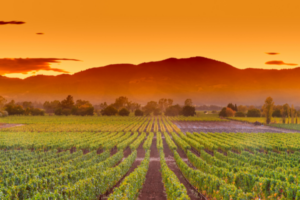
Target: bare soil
9,125
136,163
191,191
153,187
228,127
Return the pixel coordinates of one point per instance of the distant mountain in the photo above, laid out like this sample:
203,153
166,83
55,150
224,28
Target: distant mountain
204,80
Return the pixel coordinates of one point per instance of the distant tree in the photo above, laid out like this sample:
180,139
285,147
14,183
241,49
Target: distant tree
240,114
214,112
254,112
188,102
235,108
103,105
66,111
285,112
121,102
229,112
188,111
151,108
293,112
27,104
268,109
242,108
51,107
2,102
83,108
68,103
13,109
164,104
124,112
230,105
173,110
222,113
138,112
276,113
109,111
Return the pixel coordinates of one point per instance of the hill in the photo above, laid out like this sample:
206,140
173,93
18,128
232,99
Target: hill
204,80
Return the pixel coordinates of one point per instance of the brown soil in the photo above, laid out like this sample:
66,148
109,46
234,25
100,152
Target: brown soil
9,125
228,127
136,163
153,187
209,152
191,191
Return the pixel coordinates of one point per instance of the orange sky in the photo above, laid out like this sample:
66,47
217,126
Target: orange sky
134,31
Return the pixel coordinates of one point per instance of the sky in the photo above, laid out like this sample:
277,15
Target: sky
52,37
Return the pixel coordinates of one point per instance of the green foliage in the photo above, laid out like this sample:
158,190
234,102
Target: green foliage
253,113
173,110
138,112
109,111
240,114
188,111
124,112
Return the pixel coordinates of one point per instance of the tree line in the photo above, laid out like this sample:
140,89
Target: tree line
122,107
268,110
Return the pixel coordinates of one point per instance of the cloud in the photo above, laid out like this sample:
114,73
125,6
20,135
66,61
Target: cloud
25,65
272,53
11,22
279,62
40,33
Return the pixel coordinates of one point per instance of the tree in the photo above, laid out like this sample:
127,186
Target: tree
2,102
240,114
230,105
276,113
103,105
124,112
68,103
242,108
165,103
188,102
268,109
51,107
151,108
109,111
138,112
27,104
235,108
188,111
14,109
285,112
121,102
229,112
82,108
173,110
222,113
254,112
293,111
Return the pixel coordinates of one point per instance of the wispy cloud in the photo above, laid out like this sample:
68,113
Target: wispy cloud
279,62
40,33
11,22
272,53
25,65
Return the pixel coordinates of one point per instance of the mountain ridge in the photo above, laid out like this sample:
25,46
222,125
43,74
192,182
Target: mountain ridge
205,80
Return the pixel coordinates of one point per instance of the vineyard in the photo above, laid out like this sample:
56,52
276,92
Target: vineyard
89,158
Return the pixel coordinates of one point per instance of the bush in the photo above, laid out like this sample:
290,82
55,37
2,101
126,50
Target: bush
222,113
229,112
240,114
109,111
66,111
124,112
58,111
138,112
253,113
3,113
188,111
276,113
173,110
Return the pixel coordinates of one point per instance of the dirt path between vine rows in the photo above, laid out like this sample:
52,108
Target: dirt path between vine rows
153,187
191,191
136,163
9,125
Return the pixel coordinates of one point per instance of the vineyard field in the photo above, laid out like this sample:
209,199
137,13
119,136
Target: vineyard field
89,158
